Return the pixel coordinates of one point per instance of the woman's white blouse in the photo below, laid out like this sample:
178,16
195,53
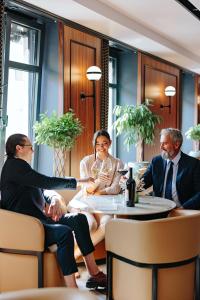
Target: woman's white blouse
86,171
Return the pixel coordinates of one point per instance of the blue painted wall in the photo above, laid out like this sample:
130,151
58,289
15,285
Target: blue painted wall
49,94
127,75
188,108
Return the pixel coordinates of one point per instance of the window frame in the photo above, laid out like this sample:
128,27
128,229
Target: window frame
36,69
115,88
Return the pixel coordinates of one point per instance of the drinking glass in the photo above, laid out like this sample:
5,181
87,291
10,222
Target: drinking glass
96,168
124,170
106,166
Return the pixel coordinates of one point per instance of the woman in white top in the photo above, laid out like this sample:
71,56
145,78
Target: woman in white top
103,167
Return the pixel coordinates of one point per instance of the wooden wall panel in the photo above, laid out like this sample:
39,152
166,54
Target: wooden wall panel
81,50
197,98
155,76
197,107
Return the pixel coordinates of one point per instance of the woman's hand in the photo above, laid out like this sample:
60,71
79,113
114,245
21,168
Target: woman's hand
85,180
104,178
100,192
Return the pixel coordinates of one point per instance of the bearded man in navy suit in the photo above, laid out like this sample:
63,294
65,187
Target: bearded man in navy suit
184,187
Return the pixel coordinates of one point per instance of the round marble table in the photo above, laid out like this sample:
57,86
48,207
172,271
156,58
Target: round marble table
148,207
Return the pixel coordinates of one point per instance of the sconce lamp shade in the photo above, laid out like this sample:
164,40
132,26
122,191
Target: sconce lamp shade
170,91
93,73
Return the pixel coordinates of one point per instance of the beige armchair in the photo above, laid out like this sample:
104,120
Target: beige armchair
24,263
155,259
48,294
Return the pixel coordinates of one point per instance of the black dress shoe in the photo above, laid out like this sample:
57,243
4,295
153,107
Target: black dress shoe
97,281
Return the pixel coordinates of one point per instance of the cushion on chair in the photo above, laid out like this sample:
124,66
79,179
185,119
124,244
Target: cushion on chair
48,294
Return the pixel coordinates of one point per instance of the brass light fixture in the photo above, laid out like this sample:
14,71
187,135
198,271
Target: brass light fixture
170,91
93,73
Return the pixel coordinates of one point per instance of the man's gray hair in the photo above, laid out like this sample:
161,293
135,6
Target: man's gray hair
174,133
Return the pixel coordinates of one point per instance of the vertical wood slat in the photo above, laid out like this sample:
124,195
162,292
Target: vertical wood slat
104,84
197,107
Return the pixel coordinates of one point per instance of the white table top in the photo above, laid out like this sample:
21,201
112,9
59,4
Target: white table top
115,204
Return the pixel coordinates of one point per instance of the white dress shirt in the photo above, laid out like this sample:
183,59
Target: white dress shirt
175,170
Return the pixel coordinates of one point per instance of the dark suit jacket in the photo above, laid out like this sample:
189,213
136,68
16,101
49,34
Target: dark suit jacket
187,181
22,188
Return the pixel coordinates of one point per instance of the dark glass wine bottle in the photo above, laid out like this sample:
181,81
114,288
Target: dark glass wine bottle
130,185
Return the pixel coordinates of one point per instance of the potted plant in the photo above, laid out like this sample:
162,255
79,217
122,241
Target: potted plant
60,133
137,123
193,133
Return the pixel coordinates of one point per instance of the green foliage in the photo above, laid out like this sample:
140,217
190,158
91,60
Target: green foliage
136,122
58,131
193,133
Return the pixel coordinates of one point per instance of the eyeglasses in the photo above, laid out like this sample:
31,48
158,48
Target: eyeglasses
27,146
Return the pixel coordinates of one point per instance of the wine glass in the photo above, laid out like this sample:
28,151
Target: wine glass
106,166
96,167
122,182
124,170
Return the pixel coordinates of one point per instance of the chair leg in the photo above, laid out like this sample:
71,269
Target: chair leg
197,278
154,282
40,269
109,276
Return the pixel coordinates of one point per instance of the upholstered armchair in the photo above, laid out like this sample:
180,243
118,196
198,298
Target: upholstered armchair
48,294
155,259
24,263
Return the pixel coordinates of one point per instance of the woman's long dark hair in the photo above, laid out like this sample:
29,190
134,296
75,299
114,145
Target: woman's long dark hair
97,134
12,142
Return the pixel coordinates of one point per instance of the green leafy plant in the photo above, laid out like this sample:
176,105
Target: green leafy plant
137,123
193,133
59,132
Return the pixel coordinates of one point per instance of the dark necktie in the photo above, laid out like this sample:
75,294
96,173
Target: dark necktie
168,187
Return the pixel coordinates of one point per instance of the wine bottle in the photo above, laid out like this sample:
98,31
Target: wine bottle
130,185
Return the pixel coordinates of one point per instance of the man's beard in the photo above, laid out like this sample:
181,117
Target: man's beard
167,155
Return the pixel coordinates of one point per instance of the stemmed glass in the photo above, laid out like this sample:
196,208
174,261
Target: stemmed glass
95,169
122,182
124,170
106,166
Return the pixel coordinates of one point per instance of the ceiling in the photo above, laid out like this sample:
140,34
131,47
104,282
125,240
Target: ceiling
163,28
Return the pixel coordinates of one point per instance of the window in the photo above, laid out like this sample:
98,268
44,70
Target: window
22,75
112,100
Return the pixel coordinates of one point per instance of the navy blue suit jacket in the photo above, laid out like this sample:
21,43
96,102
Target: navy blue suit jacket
187,181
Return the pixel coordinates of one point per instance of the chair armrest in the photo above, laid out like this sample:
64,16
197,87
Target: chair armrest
21,232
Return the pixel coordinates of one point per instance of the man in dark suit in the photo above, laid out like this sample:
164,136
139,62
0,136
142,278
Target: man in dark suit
174,174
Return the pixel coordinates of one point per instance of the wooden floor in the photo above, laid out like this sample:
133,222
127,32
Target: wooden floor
84,276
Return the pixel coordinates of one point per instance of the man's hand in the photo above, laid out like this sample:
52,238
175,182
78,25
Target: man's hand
54,209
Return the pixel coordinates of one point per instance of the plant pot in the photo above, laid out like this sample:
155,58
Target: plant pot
59,164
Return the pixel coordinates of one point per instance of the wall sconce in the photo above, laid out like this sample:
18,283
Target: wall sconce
170,91
93,73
